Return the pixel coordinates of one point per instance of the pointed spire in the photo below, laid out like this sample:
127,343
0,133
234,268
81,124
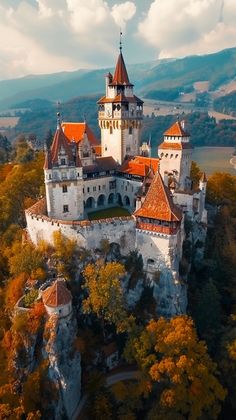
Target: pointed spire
58,120
203,177
120,41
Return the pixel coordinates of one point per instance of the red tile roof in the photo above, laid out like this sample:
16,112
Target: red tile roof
175,146
60,141
158,203
120,76
139,166
120,98
57,294
76,131
176,130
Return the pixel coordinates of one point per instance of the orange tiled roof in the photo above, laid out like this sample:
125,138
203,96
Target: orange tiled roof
175,146
57,294
60,141
120,98
158,203
120,76
139,166
176,130
150,162
76,131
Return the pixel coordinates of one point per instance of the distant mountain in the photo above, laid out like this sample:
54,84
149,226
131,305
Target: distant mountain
157,79
218,68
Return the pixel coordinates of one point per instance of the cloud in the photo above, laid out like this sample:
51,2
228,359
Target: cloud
123,12
183,27
57,35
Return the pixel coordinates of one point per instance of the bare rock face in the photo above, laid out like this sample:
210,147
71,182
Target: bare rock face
64,364
170,293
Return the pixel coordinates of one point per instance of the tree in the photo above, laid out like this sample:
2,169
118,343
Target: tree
23,152
207,313
169,352
65,252
105,294
195,174
15,289
23,258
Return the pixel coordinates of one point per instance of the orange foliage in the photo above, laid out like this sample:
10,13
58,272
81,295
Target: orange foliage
35,317
14,290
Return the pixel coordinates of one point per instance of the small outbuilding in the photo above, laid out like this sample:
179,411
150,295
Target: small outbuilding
57,299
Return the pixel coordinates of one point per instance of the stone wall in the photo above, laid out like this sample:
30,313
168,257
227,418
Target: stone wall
87,233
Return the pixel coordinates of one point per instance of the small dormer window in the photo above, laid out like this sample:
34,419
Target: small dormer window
63,161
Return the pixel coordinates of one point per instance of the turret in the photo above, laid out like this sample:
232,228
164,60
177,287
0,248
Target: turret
63,178
175,153
203,183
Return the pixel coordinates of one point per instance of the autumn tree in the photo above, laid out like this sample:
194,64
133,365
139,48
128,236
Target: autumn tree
105,294
169,352
15,289
195,174
23,258
227,362
65,252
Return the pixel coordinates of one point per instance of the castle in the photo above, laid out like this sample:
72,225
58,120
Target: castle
83,175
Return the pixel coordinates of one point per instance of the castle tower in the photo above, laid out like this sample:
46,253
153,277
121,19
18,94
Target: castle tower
63,178
57,299
175,155
120,115
159,234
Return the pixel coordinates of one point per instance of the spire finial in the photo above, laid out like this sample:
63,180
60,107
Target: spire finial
58,119
120,41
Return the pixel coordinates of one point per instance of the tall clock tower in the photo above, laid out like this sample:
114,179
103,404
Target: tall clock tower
120,115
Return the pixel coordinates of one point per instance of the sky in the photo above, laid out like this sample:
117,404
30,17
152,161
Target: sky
47,36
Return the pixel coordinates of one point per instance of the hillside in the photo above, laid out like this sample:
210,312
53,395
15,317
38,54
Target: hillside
160,79
226,104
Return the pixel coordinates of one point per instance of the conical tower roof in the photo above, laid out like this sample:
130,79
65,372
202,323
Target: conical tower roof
176,130
120,76
158,203
57,294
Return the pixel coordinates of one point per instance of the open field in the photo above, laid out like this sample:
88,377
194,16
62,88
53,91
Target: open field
8,122
214,159
107,213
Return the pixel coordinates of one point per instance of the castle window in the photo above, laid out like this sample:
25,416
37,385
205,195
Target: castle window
112,185
83,190
176,156
94,188
64,188
130,130
63,161
111,130
50,176
99,187
88,189
105,148
65,208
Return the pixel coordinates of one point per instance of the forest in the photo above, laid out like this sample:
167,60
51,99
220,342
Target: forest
205,130
187,364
